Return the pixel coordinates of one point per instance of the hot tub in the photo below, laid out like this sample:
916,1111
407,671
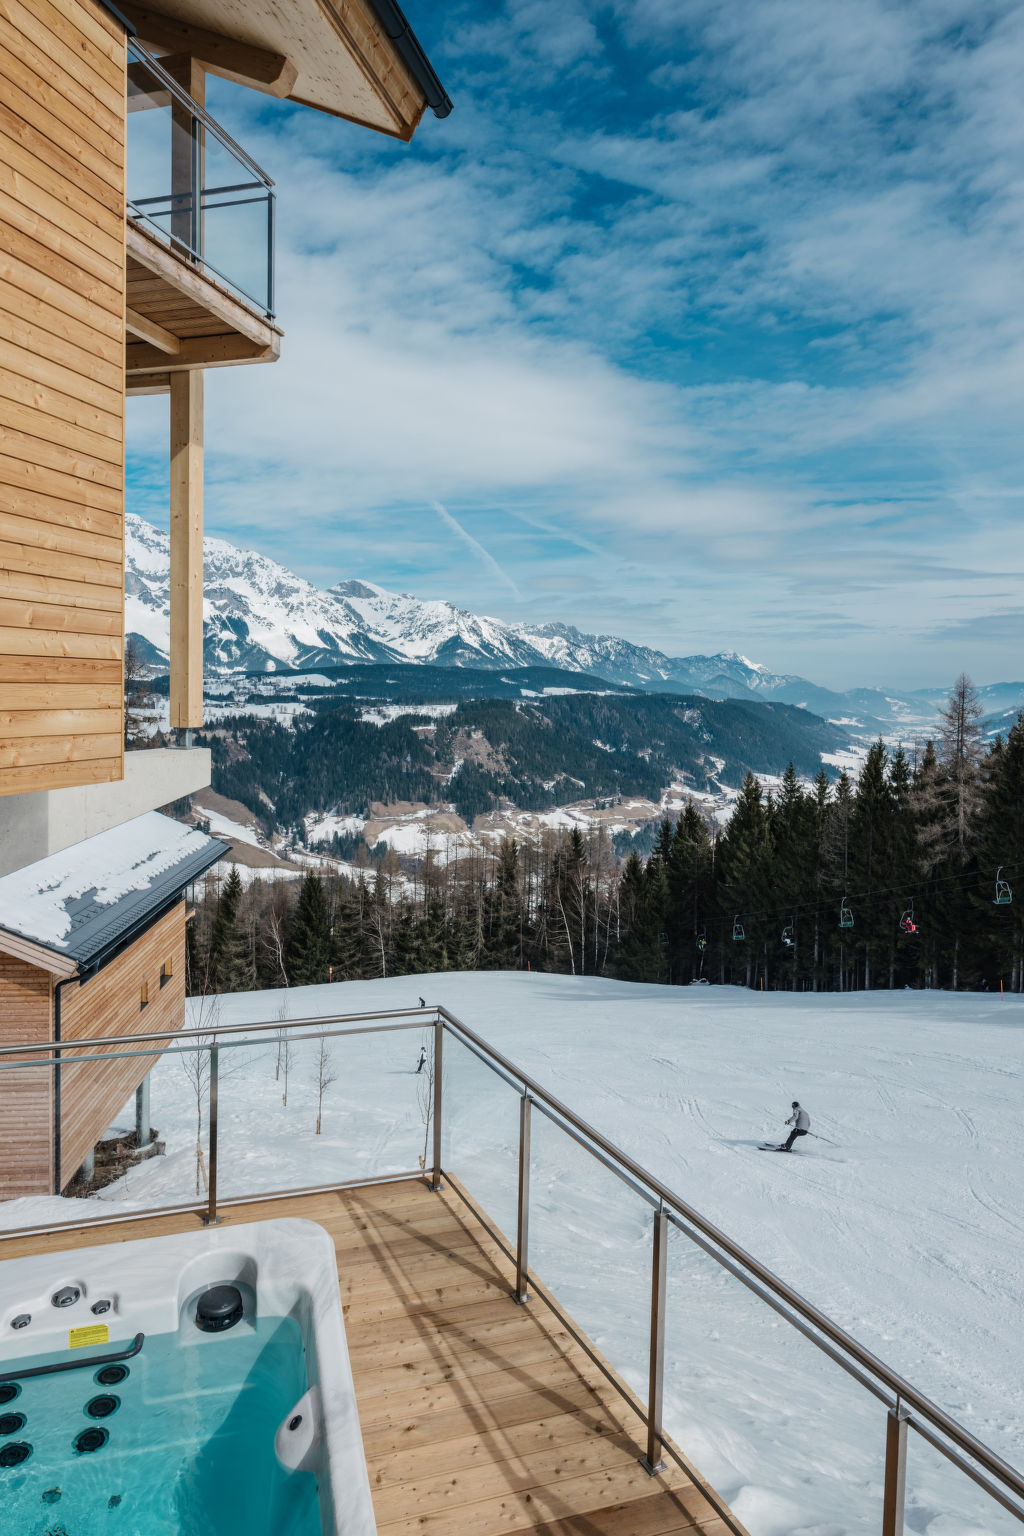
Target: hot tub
194,1385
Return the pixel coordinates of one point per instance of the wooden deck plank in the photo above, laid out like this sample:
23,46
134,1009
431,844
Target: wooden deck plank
479,1417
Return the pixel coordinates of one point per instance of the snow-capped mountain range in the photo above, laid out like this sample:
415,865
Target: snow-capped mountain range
259,616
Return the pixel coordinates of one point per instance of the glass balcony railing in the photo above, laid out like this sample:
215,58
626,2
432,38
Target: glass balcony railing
190,184
795,1423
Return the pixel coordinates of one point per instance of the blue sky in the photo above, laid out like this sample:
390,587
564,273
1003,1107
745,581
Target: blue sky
699,324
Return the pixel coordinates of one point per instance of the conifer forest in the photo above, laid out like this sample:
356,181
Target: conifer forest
901,877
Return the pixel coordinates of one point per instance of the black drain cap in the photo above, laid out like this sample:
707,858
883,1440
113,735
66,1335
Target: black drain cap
10,1423
91,1440
14,1453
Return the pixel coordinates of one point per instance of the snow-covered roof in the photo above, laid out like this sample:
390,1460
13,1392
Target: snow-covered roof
82,901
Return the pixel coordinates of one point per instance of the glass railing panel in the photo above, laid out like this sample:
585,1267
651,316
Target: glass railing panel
788,1439
943,1499
480,1134
307,1107
126,1176
190,187
591,1245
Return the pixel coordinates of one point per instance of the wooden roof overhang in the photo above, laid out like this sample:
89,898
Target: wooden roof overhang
179,317
356,59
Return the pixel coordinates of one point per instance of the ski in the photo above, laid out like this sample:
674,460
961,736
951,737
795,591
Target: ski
768,1146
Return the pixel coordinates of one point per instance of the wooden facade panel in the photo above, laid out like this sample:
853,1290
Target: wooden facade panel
64,409
26,751
51,170
81,331
33,211
20,358
48,643
32,97
18,327
47,696
63,669
59,722
25,781
67,449
25,1125
73,538
61,485
110,1004
28,265
21,586
74,61
23,562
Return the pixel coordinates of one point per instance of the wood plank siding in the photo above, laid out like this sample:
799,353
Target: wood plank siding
62,390
111,1004
478,1417
26,1127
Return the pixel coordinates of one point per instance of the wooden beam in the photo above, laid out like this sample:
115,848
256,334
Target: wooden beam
36,954
189,280
186,656
149,330
196,352
224,56
148,384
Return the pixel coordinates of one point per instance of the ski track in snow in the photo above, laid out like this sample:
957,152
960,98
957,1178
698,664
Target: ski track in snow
909,1232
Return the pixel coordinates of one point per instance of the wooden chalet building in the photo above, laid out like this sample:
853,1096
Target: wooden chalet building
136,251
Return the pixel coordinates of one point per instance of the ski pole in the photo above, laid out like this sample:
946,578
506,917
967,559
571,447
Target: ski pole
822,1138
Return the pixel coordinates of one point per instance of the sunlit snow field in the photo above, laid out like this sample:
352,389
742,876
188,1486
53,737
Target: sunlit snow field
908,1230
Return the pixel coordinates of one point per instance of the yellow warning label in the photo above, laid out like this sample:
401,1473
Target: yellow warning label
95,1333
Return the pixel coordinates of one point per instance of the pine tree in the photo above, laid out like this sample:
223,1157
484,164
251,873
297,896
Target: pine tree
224,934
308,953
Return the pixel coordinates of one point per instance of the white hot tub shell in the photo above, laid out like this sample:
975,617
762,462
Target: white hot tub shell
282,1268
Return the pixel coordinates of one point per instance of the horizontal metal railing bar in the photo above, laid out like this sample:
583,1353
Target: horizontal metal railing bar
784,1312
180,245
964,1466
256,1026
197,1207
180,94
64,1059
949,1426
599,1157
183,200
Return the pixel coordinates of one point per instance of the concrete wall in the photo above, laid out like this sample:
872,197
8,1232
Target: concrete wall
34,825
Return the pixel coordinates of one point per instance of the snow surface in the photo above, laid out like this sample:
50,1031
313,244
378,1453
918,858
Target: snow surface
35,900
905,1226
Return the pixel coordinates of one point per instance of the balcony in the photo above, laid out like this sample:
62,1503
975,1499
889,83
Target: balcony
200,233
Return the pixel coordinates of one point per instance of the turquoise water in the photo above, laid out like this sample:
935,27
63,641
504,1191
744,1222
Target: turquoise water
190,1448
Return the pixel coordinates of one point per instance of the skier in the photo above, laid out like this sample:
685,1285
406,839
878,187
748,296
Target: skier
800,1120
422,1060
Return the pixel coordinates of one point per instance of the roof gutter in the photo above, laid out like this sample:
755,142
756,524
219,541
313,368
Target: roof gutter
408,46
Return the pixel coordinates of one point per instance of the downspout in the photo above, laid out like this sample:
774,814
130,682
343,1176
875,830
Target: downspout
56,1080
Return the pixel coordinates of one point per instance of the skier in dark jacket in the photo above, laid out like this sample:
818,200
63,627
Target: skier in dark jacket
800,1120
423,1059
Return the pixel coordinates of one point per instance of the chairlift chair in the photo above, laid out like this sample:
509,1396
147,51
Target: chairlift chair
787,936
845,915
907,923
737,930
1004,891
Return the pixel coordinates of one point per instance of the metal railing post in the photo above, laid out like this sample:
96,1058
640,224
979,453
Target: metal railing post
894,1497
653,1462
211,1219
438,1069
522,1291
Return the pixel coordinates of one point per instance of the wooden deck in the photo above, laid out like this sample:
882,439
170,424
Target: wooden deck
479,1417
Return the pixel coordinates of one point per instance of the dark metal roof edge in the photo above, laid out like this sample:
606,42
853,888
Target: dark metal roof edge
398,30
163,892
118,16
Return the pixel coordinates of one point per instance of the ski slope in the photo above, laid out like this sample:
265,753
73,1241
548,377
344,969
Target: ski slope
906,1226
